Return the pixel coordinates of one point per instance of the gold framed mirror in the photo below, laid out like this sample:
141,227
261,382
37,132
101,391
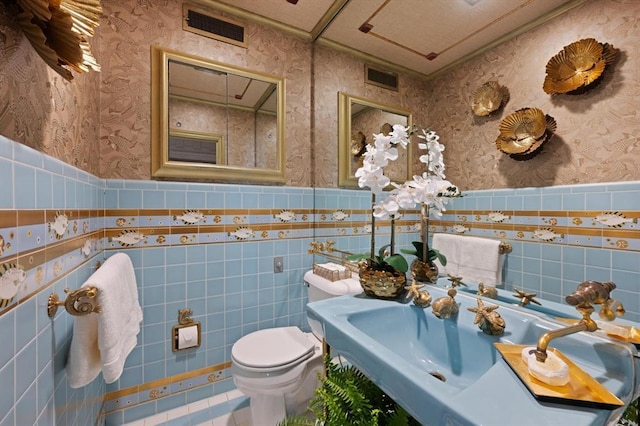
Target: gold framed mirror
214,121
358,120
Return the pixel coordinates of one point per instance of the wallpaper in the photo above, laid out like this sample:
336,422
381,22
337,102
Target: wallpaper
412,95
597,134
41,109
109,112
129,29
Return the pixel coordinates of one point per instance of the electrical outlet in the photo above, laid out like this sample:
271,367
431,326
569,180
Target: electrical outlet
278,265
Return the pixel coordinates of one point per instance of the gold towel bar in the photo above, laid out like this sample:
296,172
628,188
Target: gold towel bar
78,302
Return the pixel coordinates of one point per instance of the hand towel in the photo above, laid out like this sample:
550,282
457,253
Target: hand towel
449,246
102,341
480,260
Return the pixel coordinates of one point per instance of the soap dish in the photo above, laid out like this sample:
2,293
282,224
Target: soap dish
582,389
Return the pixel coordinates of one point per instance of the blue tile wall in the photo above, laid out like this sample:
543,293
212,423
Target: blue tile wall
230,285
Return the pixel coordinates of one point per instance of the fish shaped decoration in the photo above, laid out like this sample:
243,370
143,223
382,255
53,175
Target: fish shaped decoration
190,217
86,248
614,219
128,238
460,229
546,234
11,276
285,215
242,233
339,215
497,216
59,225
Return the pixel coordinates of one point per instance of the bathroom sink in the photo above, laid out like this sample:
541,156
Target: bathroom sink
447,371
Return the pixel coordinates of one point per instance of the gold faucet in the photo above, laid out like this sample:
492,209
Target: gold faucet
586,294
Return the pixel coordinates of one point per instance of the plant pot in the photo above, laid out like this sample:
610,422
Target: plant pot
382,284
426,272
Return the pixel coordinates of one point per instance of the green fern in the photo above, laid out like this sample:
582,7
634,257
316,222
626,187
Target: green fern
348,397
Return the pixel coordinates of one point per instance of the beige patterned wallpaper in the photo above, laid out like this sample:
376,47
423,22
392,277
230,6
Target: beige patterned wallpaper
128,30
596,138
41,109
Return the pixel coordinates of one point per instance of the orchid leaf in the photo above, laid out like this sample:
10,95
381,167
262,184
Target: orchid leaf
398,262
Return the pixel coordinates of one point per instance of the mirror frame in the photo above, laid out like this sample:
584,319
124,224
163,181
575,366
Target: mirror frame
346,178
163,168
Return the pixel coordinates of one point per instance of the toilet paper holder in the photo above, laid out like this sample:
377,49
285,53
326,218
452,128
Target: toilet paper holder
186,334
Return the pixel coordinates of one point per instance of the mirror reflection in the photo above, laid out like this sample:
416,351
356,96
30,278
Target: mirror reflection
359,120
215,121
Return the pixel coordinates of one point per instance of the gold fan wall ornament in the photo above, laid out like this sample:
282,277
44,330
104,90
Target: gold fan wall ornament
58,30
489,98
523,133
577,66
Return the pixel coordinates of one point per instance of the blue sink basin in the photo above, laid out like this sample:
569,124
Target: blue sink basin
447,371
463,352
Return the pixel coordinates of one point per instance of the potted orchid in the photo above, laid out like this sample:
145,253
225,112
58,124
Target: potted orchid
382,273
431,191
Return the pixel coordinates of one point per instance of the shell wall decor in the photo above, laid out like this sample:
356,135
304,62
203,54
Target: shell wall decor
523,133
577,66
488,98
58,30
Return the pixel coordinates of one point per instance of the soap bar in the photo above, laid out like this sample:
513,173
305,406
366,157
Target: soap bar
553,371
614,329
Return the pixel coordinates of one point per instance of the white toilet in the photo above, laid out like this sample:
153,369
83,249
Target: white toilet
278,368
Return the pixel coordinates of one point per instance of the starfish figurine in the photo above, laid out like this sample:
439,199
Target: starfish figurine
455,281
490,322
482,311
413,289
526,298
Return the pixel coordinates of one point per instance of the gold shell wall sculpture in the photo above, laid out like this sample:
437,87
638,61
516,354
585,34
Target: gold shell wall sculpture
58,30
523,133
577,66
489,98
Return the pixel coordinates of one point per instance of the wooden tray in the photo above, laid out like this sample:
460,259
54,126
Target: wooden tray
582,389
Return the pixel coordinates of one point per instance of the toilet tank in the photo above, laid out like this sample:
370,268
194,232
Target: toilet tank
320,288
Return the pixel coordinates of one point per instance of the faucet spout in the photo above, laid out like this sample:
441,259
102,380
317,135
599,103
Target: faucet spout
585,324
585,294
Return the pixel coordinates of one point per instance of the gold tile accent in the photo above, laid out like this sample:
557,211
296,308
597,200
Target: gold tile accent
166,381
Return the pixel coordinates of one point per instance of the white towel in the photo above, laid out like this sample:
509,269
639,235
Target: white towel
449,246
102,341
480,260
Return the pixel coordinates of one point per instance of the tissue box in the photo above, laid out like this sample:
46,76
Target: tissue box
331,271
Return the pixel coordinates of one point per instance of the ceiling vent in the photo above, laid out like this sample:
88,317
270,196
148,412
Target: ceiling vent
386,79
204,23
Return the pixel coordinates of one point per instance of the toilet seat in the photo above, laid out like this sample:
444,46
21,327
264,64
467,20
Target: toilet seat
272,349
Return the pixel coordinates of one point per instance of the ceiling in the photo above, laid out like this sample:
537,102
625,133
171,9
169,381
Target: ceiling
424,37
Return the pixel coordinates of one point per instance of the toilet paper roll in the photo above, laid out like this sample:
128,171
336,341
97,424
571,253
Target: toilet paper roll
188,337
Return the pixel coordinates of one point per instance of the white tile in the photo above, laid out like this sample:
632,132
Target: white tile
224,420
207,423
217,399
177,412
198,405
139,422
234,394
156,419
242,417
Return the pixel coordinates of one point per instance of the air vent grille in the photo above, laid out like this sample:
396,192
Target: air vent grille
202,22
380,78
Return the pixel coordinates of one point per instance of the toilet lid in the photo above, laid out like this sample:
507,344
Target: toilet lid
272,347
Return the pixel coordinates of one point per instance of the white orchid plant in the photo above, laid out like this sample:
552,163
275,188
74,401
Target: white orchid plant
431,191
371,175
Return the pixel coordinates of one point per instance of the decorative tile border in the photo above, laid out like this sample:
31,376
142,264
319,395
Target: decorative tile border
140,394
